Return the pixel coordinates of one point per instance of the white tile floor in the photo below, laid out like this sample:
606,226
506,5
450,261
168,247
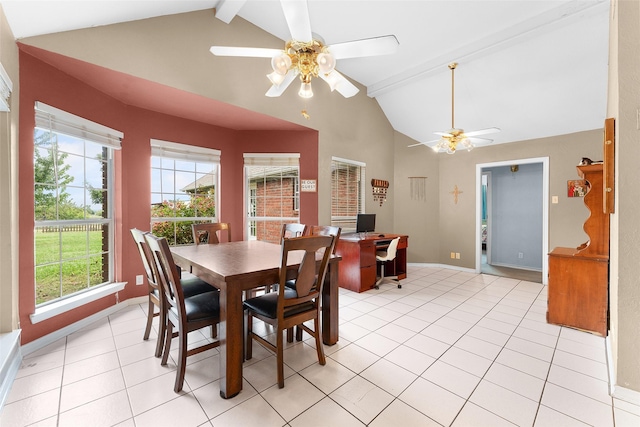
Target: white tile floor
449,348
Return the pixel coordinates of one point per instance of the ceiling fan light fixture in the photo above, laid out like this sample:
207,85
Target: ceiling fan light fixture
281,63
326,62
305,90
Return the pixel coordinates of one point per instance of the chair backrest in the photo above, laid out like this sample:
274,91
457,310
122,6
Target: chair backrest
309,278
293,230
147,259
167,273
392,249
326,230
208,232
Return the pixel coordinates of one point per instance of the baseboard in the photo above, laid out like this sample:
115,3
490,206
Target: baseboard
616,391
10,360
447,266
518,267
44,341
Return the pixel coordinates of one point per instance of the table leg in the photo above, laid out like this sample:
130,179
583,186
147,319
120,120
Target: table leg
231,341
330,305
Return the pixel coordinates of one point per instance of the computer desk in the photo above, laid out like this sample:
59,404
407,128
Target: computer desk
358,268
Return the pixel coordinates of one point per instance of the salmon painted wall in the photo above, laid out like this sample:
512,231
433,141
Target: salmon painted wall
42,82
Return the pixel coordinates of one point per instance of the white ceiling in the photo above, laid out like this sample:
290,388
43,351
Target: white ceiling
533,68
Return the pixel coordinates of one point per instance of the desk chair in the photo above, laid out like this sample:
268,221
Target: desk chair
208,232
382,257
288,307
191,286
184,314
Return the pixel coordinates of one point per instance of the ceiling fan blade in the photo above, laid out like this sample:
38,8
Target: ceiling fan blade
277,90
383,45
296,13
477,140
424,143
443,134
338,82
482,131
254,52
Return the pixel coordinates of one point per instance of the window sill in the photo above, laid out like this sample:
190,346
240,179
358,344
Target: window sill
51,310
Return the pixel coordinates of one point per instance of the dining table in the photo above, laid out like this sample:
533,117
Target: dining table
235,267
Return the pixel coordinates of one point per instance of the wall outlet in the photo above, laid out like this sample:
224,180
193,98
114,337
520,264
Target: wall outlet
457,255
554,199
453,255
139,279
520,255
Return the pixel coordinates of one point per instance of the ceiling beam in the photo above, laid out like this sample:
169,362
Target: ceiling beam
226,10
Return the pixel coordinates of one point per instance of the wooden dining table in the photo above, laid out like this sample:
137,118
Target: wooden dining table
235,267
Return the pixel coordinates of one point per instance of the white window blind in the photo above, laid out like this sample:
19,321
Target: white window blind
6,87
271,159
48,117
178,151
347,192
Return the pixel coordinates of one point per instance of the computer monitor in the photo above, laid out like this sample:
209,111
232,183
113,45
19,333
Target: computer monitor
365,223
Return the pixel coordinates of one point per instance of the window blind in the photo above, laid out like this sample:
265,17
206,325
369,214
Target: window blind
271,159
178,151
51,118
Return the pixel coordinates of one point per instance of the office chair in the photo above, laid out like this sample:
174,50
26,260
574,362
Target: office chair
382,257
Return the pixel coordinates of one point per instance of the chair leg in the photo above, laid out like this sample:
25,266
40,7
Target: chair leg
319,348
167,343
289,334
248,345
182,361
150,316
298,333
280,358
162,332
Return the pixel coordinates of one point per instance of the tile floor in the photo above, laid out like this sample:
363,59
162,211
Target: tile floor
448,349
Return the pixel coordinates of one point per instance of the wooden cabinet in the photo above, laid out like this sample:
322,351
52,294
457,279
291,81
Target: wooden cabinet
358,268
579,277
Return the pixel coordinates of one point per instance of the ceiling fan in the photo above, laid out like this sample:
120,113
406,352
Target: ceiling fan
450,139
306,55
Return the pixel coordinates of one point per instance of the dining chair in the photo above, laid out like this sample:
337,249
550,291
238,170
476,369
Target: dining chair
382,257
191,285
210,232
293,230
290,307
183,314
314,230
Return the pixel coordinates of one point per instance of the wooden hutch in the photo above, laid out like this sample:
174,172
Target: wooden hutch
579,277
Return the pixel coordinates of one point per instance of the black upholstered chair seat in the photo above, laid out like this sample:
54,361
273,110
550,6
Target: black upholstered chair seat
194,285
201,307
267,305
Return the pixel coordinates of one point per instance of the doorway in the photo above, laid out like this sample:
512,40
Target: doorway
512,218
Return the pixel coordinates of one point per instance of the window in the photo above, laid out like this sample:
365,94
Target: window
184,183
347,192
73,175
273,196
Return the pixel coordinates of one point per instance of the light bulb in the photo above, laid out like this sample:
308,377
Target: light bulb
276,78
326,63
305,90
281,63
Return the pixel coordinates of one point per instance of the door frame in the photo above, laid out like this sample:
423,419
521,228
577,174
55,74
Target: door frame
545,208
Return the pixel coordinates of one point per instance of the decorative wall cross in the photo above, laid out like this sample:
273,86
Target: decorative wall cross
455,193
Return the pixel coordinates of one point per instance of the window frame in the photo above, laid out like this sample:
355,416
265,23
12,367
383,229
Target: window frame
184,153
52,120
280,162
347,222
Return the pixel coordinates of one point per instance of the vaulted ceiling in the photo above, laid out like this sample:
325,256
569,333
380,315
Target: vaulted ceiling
532,68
